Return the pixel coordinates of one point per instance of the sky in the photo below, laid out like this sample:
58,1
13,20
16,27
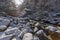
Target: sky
18,2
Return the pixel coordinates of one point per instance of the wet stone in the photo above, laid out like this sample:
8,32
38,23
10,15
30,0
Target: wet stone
1,33
17,33
58,31
3,27
8,37
28,36
12,24
4,21
37,24
35,29
23,31
36,38
16,38
11,31
51,28
39,32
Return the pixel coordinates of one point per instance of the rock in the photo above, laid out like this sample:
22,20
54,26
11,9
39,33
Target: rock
21,25
12,24
1,33
39,32
23,20
35,29
8,37
51,28
3,27
16,38
24,27
58,31
17,33
4,21
36,38
11,31
28,36
59,24
37,24
23,31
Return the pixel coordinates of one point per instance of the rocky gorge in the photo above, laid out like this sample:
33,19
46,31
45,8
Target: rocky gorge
33,20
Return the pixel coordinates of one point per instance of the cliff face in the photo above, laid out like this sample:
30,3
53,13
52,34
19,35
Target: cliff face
47,10
47,5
